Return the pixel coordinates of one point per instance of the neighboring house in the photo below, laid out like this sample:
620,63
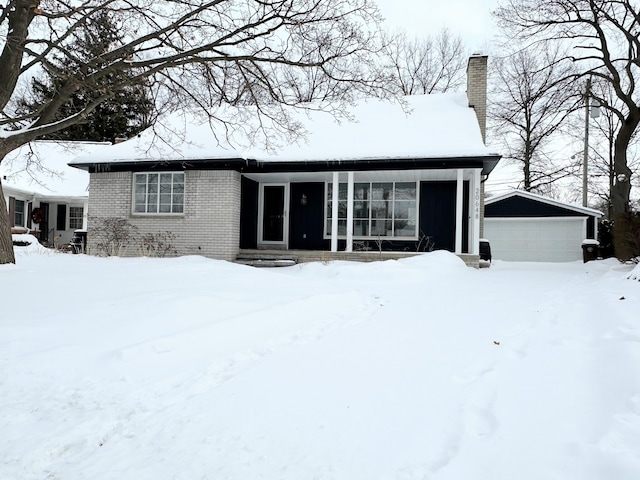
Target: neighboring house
44,195
523,226
403,178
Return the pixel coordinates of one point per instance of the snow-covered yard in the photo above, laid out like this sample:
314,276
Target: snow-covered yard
190,368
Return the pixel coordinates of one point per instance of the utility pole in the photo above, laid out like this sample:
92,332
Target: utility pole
585,159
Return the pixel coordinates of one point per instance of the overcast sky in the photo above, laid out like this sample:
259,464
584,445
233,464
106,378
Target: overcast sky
470,19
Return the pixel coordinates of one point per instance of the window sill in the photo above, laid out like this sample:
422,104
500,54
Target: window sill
156,215
373,239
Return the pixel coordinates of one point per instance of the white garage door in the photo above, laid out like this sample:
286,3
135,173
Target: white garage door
536,239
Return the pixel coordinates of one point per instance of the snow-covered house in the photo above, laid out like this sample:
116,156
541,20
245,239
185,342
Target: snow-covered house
43,194
394,178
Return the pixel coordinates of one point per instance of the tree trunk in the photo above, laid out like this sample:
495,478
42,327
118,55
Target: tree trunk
621,189
527,165
527,175
6,243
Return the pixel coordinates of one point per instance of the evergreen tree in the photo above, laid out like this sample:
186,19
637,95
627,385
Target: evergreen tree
129,111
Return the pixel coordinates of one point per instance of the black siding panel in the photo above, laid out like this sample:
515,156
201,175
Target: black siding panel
465,217
590,228
249,214
525,207
61,219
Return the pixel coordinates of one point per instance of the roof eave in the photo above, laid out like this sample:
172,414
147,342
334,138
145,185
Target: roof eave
487,162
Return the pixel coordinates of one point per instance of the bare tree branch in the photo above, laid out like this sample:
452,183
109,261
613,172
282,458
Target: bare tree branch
531,100
251,51
421,66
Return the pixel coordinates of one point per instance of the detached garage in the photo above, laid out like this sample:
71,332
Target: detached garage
526,227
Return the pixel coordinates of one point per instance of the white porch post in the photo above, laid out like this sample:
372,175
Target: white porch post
459,209
85,215
475,209
349,247
334,212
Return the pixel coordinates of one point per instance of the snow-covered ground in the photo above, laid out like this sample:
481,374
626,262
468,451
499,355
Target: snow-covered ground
191,368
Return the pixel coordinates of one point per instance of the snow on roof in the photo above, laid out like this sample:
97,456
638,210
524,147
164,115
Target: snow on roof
421,126
40,167
540,198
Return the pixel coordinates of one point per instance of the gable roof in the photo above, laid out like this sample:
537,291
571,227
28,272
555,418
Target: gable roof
545,200
438,126
40,168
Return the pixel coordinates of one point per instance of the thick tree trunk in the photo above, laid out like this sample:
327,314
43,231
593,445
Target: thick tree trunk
621,190
6,243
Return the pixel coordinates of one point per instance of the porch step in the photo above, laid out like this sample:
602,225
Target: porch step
266,259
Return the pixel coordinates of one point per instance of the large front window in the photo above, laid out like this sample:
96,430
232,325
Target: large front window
159,193
380,209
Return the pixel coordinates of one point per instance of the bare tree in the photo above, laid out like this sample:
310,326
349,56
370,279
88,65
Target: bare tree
198,51
605,40
531,100
424,65
602,135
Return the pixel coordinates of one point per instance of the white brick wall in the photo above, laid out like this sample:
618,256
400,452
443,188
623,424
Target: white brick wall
210,225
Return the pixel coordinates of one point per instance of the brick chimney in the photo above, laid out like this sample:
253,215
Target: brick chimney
477,89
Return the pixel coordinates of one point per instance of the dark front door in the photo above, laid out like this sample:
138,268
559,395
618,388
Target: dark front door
273,213
306,216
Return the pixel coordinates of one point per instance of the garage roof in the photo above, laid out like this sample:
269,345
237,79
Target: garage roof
520,203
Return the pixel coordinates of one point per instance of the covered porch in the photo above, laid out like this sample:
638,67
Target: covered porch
380,213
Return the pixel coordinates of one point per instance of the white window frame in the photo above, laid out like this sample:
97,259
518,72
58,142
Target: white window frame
327,219
75,217
157,211
285,213
15,212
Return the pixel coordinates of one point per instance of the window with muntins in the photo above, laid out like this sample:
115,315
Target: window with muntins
18,213
161,193
75,217
380,209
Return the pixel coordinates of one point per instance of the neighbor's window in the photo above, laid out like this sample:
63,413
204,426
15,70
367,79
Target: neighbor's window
380,209
18,213
158,193
75,217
